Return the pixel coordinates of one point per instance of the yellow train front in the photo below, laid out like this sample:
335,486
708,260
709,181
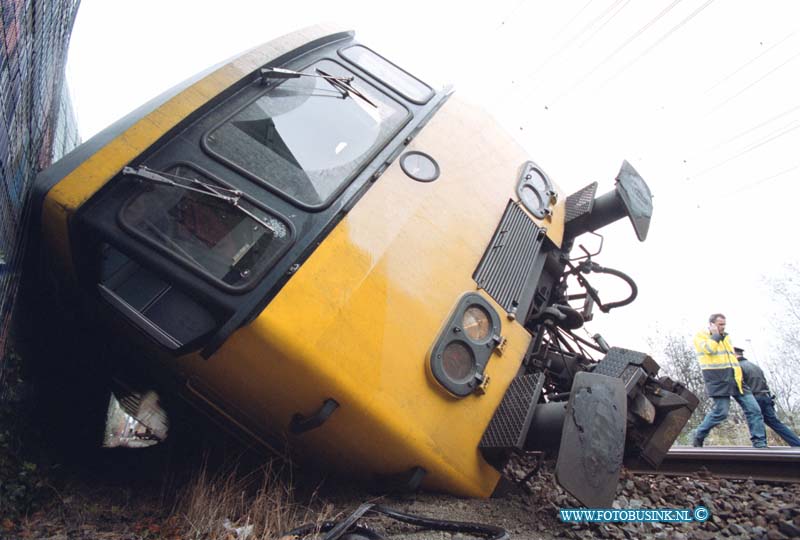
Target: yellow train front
321,250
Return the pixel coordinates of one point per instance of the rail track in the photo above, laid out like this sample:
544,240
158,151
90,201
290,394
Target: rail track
774,464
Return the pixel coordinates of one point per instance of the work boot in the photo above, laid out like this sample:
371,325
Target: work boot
696,441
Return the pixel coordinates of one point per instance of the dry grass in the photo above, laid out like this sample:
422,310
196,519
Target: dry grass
230,505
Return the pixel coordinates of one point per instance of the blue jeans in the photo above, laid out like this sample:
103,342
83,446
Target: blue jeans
771,419
752,413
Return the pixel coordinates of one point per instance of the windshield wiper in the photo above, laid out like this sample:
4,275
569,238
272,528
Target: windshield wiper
208,190
343,84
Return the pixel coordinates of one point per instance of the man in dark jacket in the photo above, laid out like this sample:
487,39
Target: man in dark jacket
755,380
723,379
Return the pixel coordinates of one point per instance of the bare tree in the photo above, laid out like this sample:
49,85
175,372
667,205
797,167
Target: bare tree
679,362
783,362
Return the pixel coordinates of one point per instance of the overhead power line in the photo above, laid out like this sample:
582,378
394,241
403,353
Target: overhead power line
574,37
764,180
749,86
616,51
769,138
740,68
604,23
751,129
658,42
572,19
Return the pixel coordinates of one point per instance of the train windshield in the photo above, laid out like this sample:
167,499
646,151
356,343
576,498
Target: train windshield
307,138
220,239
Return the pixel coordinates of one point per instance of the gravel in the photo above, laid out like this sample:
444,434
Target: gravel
740,509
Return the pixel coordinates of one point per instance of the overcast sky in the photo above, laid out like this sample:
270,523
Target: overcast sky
701,96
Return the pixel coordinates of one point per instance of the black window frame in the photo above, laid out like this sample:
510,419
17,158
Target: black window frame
264,183
253,280
139,317
384,81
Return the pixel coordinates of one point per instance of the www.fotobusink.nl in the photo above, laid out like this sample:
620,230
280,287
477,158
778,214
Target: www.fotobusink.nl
633,515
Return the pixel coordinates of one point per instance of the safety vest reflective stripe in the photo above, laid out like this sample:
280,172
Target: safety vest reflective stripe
708,348
719,366
720,360
715,353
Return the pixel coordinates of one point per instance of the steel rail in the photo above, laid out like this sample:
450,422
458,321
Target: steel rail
773,464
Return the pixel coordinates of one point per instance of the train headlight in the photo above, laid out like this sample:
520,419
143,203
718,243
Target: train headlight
476,323
459,356
536,191
458,362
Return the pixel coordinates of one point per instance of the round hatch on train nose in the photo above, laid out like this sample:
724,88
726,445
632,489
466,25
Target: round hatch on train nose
419,166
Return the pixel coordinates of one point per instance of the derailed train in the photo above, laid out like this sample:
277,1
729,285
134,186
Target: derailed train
320,250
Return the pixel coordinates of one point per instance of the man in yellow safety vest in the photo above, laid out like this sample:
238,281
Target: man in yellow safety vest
723,379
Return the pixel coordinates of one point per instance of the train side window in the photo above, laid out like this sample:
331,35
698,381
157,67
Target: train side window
166,314
376,65
231,244
306,138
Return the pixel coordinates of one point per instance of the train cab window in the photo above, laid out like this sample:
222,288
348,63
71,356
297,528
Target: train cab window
306,138
406,84
208,226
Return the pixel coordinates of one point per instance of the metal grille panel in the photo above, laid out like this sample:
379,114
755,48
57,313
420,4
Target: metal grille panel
510,423
580,202
617,360
510,257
